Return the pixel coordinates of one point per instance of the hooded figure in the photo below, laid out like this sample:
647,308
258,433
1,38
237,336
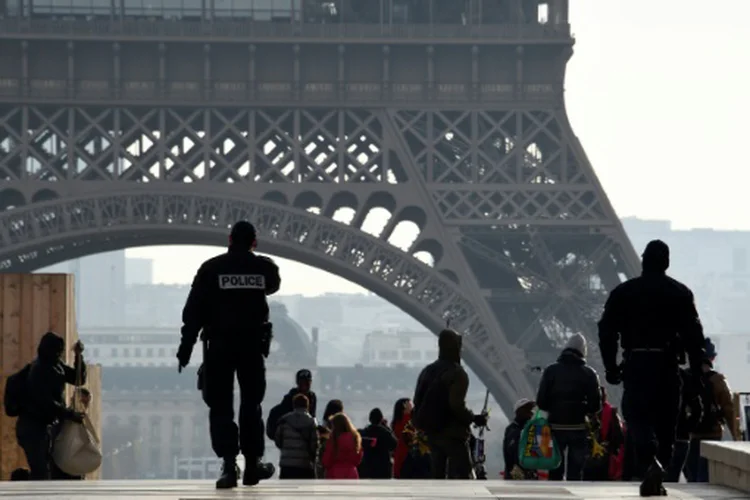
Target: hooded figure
440,410
569,392
46,404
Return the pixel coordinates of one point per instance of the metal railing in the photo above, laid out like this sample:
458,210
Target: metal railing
123,28
15,89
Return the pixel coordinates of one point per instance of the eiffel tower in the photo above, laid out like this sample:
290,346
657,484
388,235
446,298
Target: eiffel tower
125,125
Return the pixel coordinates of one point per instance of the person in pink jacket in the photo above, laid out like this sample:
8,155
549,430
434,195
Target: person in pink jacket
344,450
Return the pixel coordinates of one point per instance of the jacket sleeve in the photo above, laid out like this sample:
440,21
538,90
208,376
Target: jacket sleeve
593,394
194,312
42,391
723,397
313,398
314,441
70,373
278,437
691,332
273,278
457,397
543,394
510,446
390,439
610,326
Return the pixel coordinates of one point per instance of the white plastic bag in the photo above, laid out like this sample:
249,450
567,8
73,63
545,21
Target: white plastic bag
77,450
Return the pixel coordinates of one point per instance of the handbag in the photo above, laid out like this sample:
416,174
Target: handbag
76,449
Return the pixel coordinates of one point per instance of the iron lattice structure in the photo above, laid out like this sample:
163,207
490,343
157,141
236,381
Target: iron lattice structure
460,130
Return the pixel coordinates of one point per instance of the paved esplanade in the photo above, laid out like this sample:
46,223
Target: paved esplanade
370,490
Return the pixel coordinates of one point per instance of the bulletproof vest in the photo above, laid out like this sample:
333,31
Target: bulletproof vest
236,290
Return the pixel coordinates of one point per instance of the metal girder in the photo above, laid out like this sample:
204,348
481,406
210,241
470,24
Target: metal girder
523,242
76,227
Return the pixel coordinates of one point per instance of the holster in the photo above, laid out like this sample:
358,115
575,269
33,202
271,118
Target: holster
266,338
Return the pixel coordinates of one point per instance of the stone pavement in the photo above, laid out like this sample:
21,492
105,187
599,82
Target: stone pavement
362,490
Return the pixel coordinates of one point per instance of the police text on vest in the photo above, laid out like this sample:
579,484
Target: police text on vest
242,281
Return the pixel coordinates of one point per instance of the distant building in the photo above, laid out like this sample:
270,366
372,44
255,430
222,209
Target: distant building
397,348
139,271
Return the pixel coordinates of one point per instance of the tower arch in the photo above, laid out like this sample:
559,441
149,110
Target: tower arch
46,233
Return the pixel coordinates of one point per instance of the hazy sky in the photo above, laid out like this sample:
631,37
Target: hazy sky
657,91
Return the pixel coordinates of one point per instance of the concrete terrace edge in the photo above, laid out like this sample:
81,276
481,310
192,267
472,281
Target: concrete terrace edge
728,463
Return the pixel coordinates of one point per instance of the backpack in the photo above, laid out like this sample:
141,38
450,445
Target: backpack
272,422
433,411
16,391
711,414
692,403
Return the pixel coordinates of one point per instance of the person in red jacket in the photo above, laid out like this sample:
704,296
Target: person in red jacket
343,454
401,416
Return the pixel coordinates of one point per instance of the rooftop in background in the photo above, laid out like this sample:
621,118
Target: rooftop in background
477,19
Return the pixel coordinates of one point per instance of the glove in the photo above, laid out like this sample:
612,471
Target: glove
75,416
78,348
183,356
614,376
481,420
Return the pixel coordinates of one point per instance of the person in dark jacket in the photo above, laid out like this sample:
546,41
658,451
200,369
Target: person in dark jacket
303,385
297,438
227,301
721,413
569,393
378,444
655,320
524,410
37,423
440,410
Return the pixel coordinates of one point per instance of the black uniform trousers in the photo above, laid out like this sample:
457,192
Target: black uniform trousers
651,406
225,357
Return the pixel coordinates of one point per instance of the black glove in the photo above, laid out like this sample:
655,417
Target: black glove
613,376
183,355
75,416
481,420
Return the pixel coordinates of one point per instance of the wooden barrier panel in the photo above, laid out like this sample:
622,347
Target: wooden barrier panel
94,385
30,306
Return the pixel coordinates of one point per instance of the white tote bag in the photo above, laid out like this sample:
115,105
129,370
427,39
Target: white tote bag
77,450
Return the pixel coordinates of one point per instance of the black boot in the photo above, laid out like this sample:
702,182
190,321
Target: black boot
653,482
257,471
229,474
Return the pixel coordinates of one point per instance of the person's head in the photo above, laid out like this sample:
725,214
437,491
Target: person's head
333,407
51,347
524,410
402,408
340,424
304,380
449,345
85,397
710,348
300,402
20,474
577,343
375,417
243,236
655,258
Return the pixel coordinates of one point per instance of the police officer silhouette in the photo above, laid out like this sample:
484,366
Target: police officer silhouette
655,320
227,305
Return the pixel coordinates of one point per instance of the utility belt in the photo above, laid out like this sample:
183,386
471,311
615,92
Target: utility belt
210,334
